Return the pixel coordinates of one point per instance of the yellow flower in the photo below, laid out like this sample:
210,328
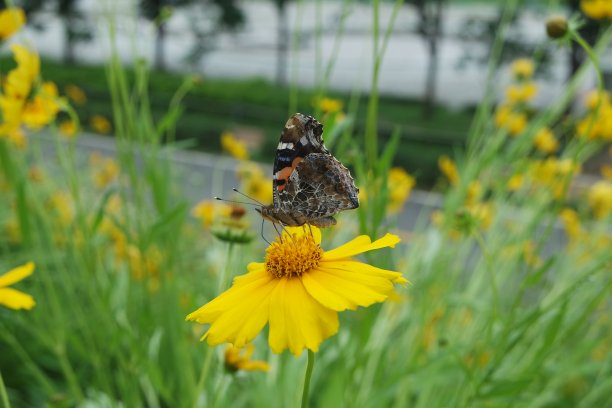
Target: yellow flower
474,192
100,124
240,359
521,92
298,291
11,20
12,298
571,223
43,108
449,169
106,173
523,68
513,122
597,9
236,148
76,94
515,182
68,128
329,105
595,97
600,198
545,141
253,183
606,171
400,184
207,210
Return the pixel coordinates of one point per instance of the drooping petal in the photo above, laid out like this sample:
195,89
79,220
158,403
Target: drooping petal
16,274
249,285
297,320
359,245
14,299
242,322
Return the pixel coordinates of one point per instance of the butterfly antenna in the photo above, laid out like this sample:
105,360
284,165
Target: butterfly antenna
250,198
235,202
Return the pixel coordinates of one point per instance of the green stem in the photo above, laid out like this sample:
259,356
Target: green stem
307,378
3,394
226,271
203,375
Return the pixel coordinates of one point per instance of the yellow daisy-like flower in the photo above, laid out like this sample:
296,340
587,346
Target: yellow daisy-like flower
597,9
400,184
207,210
12,298
600,198
298,291
68,128
522,68
329,105
235,147
240,359
11,20
76,94
100,124
521,93
545,141
449,169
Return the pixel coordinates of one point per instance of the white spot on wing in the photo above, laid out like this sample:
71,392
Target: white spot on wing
282,146
304,140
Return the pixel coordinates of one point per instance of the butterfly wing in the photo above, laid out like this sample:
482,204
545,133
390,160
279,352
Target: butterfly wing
319,187
301,136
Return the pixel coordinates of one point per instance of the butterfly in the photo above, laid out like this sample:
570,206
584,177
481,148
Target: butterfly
309,185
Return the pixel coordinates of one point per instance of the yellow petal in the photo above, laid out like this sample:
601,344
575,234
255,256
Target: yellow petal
340,290
298,321
255,366
16,274
359,245
241,322
249,284
14,299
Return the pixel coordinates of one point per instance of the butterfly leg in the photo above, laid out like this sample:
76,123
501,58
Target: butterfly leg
262,231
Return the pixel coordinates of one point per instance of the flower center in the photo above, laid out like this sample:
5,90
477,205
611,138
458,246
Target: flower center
293,256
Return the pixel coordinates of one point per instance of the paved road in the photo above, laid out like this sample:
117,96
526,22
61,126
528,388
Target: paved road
205,175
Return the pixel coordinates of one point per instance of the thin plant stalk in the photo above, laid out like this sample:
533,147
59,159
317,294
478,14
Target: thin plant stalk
307,377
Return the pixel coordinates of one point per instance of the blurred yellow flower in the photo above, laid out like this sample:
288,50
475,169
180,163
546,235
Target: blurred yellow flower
240,359
515,182
571,223
600,198
36,174
68,128
236,148
62,205
513,122
208,210
76,94
298,291
474,192
606,171
545,141
597,9
12,298
11,20
400,184
522,68
329,105
254,183
100,124
106,172
595,97
43,109
518,93
449,169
